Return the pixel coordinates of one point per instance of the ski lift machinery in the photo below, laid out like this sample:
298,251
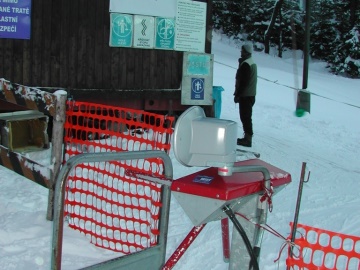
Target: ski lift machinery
227,187
220,191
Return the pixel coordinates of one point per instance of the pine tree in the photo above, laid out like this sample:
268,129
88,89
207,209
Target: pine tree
347,57
226,17
324,30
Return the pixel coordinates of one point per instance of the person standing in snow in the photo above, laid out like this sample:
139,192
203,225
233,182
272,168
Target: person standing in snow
245,92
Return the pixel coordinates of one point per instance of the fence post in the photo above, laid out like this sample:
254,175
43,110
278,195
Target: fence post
56,148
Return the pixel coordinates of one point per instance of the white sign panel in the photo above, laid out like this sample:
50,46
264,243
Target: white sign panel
144,32
161,8
197,81
190,26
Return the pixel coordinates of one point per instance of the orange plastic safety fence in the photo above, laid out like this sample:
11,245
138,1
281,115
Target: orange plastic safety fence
318,249
115,211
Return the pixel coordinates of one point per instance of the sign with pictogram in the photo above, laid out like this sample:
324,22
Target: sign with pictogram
197,80
144,32
165,33
121,31
197,88
176,24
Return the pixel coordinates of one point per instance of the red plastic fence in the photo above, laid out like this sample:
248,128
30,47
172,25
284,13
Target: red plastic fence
115,211
318,249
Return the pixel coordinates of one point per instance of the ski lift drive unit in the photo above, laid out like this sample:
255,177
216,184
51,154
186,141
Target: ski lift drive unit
226,187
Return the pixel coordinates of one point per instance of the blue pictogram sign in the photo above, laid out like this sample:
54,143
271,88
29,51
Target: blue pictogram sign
197,88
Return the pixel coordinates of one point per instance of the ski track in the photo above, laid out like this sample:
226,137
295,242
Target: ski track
278,153
284,147
335,174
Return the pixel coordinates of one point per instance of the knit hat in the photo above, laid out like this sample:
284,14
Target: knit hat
248,48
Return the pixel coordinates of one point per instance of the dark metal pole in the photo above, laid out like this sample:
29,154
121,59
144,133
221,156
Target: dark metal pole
297,210
307,45
57,139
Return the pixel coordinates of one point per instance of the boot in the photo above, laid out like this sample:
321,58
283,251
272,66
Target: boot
246,141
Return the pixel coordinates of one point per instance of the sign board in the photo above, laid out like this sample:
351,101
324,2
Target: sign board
190,26
156,8
15,19
144,32
121,30
176,24
165,33
197,81
198,64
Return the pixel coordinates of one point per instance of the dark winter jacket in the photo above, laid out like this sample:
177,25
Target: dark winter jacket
246,78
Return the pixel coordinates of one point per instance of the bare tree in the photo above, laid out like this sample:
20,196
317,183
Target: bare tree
270,30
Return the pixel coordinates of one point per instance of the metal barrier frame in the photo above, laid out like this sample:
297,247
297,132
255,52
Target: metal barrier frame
150,258
53,104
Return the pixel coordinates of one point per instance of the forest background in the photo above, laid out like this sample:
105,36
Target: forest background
334,28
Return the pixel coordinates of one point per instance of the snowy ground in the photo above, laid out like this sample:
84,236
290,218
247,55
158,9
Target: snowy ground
328,140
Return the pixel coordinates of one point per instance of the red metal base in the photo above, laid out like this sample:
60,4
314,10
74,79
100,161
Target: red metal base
230,187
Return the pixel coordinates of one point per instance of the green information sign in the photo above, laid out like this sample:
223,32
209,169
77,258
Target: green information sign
121,34
198,64
165,33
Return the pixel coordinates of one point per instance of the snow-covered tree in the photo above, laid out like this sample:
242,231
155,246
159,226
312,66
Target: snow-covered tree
346,58
226,17
334,31
325,33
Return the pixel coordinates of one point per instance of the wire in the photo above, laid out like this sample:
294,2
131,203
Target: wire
253,253
294,88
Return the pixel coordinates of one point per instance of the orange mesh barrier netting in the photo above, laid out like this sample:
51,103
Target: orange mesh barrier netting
323,250
114,210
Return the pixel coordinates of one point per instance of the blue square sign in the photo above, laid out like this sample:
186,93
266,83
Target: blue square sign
197,88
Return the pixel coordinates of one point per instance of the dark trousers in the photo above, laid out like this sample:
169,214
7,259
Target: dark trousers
245,109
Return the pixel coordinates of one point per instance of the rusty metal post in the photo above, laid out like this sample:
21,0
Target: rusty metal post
56,147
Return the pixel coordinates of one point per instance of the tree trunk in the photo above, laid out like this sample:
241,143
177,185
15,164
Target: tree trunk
280,35
270,29
354,6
